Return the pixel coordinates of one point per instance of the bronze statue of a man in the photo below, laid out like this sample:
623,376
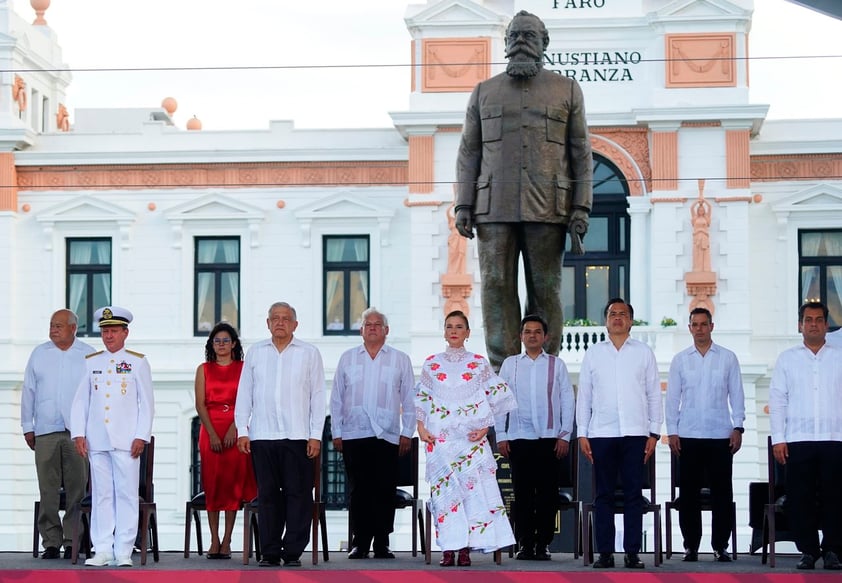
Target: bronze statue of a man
524,176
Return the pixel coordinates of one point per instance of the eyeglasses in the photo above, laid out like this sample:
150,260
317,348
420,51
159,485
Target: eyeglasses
219,341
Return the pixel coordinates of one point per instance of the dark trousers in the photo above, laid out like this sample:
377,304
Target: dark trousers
697,457
623,457
535,481
284,476
542,247
371,465
814,495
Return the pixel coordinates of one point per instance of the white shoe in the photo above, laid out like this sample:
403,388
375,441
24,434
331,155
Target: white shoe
100,560
122,562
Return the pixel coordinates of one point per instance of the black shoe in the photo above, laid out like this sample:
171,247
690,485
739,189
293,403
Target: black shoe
526,553
831,561
605,561
358,553
632,561
50,553
292,562
268,561
542,554
807,562
68,553
690,556
383,553
721,556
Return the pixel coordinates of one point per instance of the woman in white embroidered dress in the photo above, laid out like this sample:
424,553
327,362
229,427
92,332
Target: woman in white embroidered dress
455,403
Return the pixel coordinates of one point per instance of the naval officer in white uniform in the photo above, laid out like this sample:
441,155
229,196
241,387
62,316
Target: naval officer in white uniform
111,423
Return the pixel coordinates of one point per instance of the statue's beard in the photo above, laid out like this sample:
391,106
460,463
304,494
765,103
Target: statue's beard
523,62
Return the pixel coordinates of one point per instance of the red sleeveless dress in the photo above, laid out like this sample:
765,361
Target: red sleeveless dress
227,476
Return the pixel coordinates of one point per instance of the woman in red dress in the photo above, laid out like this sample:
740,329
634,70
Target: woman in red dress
227,474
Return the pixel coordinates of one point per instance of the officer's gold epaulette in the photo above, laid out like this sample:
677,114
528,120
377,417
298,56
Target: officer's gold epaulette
137,354
94,354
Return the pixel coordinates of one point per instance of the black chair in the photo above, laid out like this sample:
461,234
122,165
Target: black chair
148,520
775,524
407,478
251,524
649,506
674,503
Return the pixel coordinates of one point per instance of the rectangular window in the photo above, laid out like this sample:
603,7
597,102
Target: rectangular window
346,280
217,283
820,267
88,280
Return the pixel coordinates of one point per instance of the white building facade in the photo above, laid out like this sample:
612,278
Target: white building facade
189,227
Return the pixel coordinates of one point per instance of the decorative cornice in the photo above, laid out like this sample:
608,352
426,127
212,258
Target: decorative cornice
779,168
203,175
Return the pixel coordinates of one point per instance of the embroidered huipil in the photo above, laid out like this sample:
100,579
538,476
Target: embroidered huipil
459,393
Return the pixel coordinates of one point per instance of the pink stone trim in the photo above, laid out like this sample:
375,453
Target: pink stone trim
664,161
228,175
421,164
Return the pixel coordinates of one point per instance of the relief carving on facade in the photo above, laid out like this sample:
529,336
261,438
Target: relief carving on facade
701,60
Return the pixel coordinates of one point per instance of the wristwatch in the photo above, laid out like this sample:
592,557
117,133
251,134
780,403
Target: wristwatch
740,429
655,435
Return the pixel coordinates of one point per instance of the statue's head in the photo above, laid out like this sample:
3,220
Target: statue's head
526,40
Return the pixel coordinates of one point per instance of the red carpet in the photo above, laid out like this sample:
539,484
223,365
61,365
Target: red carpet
146,575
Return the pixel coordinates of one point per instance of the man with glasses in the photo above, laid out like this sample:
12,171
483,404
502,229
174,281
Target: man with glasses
618,416
280,415
805,419
372,421
535,436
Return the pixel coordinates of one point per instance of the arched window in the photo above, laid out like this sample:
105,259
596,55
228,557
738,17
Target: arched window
590,280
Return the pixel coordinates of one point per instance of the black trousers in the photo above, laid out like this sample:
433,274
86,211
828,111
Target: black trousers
371,465
284,476
623,456
535,481
697,457
542,247
814,495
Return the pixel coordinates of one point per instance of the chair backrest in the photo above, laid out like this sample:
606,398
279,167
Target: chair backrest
568,469
777,474
147,467
408,468
675,476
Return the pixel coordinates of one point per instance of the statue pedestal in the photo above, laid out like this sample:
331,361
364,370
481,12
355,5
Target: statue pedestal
701,285
455,288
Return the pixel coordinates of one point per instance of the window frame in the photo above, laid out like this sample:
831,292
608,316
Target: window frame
217,269
822,262
347,267
86,327
613,206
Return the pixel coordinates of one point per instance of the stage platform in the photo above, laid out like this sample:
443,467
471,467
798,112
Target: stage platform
23,568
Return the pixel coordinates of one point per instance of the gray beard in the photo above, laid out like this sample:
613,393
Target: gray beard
523,69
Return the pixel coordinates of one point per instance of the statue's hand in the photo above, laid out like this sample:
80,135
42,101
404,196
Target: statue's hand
577,227
464,224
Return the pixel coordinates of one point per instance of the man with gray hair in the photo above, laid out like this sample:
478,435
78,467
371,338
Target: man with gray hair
372,421
49,384
524,179
280,415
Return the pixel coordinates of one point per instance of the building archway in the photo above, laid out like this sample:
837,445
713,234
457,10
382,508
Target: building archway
590,280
